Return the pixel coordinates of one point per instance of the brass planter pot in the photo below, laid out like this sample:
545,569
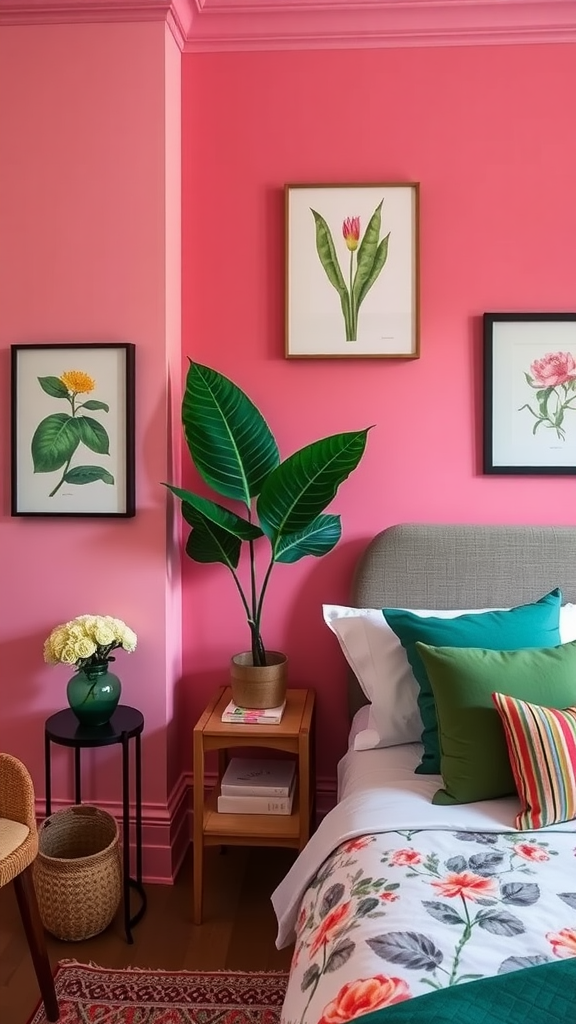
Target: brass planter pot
258,686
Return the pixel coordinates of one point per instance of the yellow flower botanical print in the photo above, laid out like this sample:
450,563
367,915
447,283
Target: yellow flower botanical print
78,382
59,436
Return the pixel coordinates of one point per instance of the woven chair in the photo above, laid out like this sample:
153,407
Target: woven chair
18,849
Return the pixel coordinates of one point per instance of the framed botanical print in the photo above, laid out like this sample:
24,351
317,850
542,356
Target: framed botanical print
73,430
352,271
530,393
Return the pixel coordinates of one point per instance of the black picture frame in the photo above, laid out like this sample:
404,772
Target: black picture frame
48,437
529,393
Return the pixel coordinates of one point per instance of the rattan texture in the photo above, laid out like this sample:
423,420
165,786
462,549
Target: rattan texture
77,873
17,804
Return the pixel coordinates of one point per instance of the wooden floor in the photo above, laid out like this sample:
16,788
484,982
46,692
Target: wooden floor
238,932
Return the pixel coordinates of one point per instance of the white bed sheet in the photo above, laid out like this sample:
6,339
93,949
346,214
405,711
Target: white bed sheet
379,792
394,896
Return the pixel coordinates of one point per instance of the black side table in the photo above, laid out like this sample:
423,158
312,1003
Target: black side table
126,724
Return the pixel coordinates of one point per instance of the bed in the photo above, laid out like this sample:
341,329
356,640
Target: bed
402,909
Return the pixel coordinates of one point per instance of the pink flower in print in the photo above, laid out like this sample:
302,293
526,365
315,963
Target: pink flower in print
364,995
465,884
388,897
563,943
530,851
351,232
553,369
301,920
330,926
296,956
405,858
360,843
553,378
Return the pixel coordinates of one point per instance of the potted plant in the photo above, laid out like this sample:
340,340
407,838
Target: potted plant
235,453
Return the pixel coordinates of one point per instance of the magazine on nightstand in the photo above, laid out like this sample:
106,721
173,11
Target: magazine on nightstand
253,716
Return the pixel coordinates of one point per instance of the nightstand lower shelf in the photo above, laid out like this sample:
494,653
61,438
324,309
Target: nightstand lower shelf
250,829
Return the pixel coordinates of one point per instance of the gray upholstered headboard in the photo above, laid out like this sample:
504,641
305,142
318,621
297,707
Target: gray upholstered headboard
417,565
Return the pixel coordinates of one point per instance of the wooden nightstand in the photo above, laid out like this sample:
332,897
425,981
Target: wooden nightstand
295,735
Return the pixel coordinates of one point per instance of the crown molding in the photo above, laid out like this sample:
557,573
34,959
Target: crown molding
178,14
336,24
225,25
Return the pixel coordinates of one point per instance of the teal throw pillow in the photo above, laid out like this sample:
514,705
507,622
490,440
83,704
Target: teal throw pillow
474,758
528,625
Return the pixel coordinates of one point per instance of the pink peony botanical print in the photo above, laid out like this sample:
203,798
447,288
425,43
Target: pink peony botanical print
531,851
465,884
331,925
360,843
563,942
406,858
553,378
364,995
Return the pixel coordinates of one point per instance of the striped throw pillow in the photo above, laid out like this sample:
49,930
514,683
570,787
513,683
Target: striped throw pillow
542,749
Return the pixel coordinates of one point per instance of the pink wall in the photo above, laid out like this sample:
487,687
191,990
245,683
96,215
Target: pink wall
90,211
91,251
488,131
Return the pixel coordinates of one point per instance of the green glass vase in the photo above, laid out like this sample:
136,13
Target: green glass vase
93,694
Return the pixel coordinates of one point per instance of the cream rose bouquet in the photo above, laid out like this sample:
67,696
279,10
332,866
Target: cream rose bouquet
88,641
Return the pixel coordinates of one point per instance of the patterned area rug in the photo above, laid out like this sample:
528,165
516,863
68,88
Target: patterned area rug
97,995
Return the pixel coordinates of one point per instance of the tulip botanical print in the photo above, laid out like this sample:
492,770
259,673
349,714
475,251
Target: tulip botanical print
391,916
352,270
553,379
73,429
58,436
366,258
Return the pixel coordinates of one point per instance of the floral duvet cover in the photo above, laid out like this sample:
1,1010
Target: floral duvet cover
391,915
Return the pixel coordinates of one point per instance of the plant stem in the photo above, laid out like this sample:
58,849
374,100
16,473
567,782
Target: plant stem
242,595
353,317
59,484
67,466
460,946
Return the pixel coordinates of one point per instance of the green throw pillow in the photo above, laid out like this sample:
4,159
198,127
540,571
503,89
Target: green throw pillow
528,625
473,752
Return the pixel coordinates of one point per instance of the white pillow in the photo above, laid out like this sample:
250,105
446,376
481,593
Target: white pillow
379,662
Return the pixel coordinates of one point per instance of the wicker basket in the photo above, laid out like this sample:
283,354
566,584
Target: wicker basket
77,873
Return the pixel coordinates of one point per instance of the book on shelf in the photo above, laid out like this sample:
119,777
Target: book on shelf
259,777
253,716
257,804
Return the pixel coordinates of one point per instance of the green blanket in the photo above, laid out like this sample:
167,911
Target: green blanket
545,994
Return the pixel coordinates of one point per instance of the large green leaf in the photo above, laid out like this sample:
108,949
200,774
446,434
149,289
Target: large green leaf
318,539
54,442
93,435
302,486
223,518
327,253
54,387
87,475
208,542
229,441
92,404
367,251
379,261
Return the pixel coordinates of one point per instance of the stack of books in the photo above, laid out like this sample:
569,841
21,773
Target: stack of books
257,786
253,716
